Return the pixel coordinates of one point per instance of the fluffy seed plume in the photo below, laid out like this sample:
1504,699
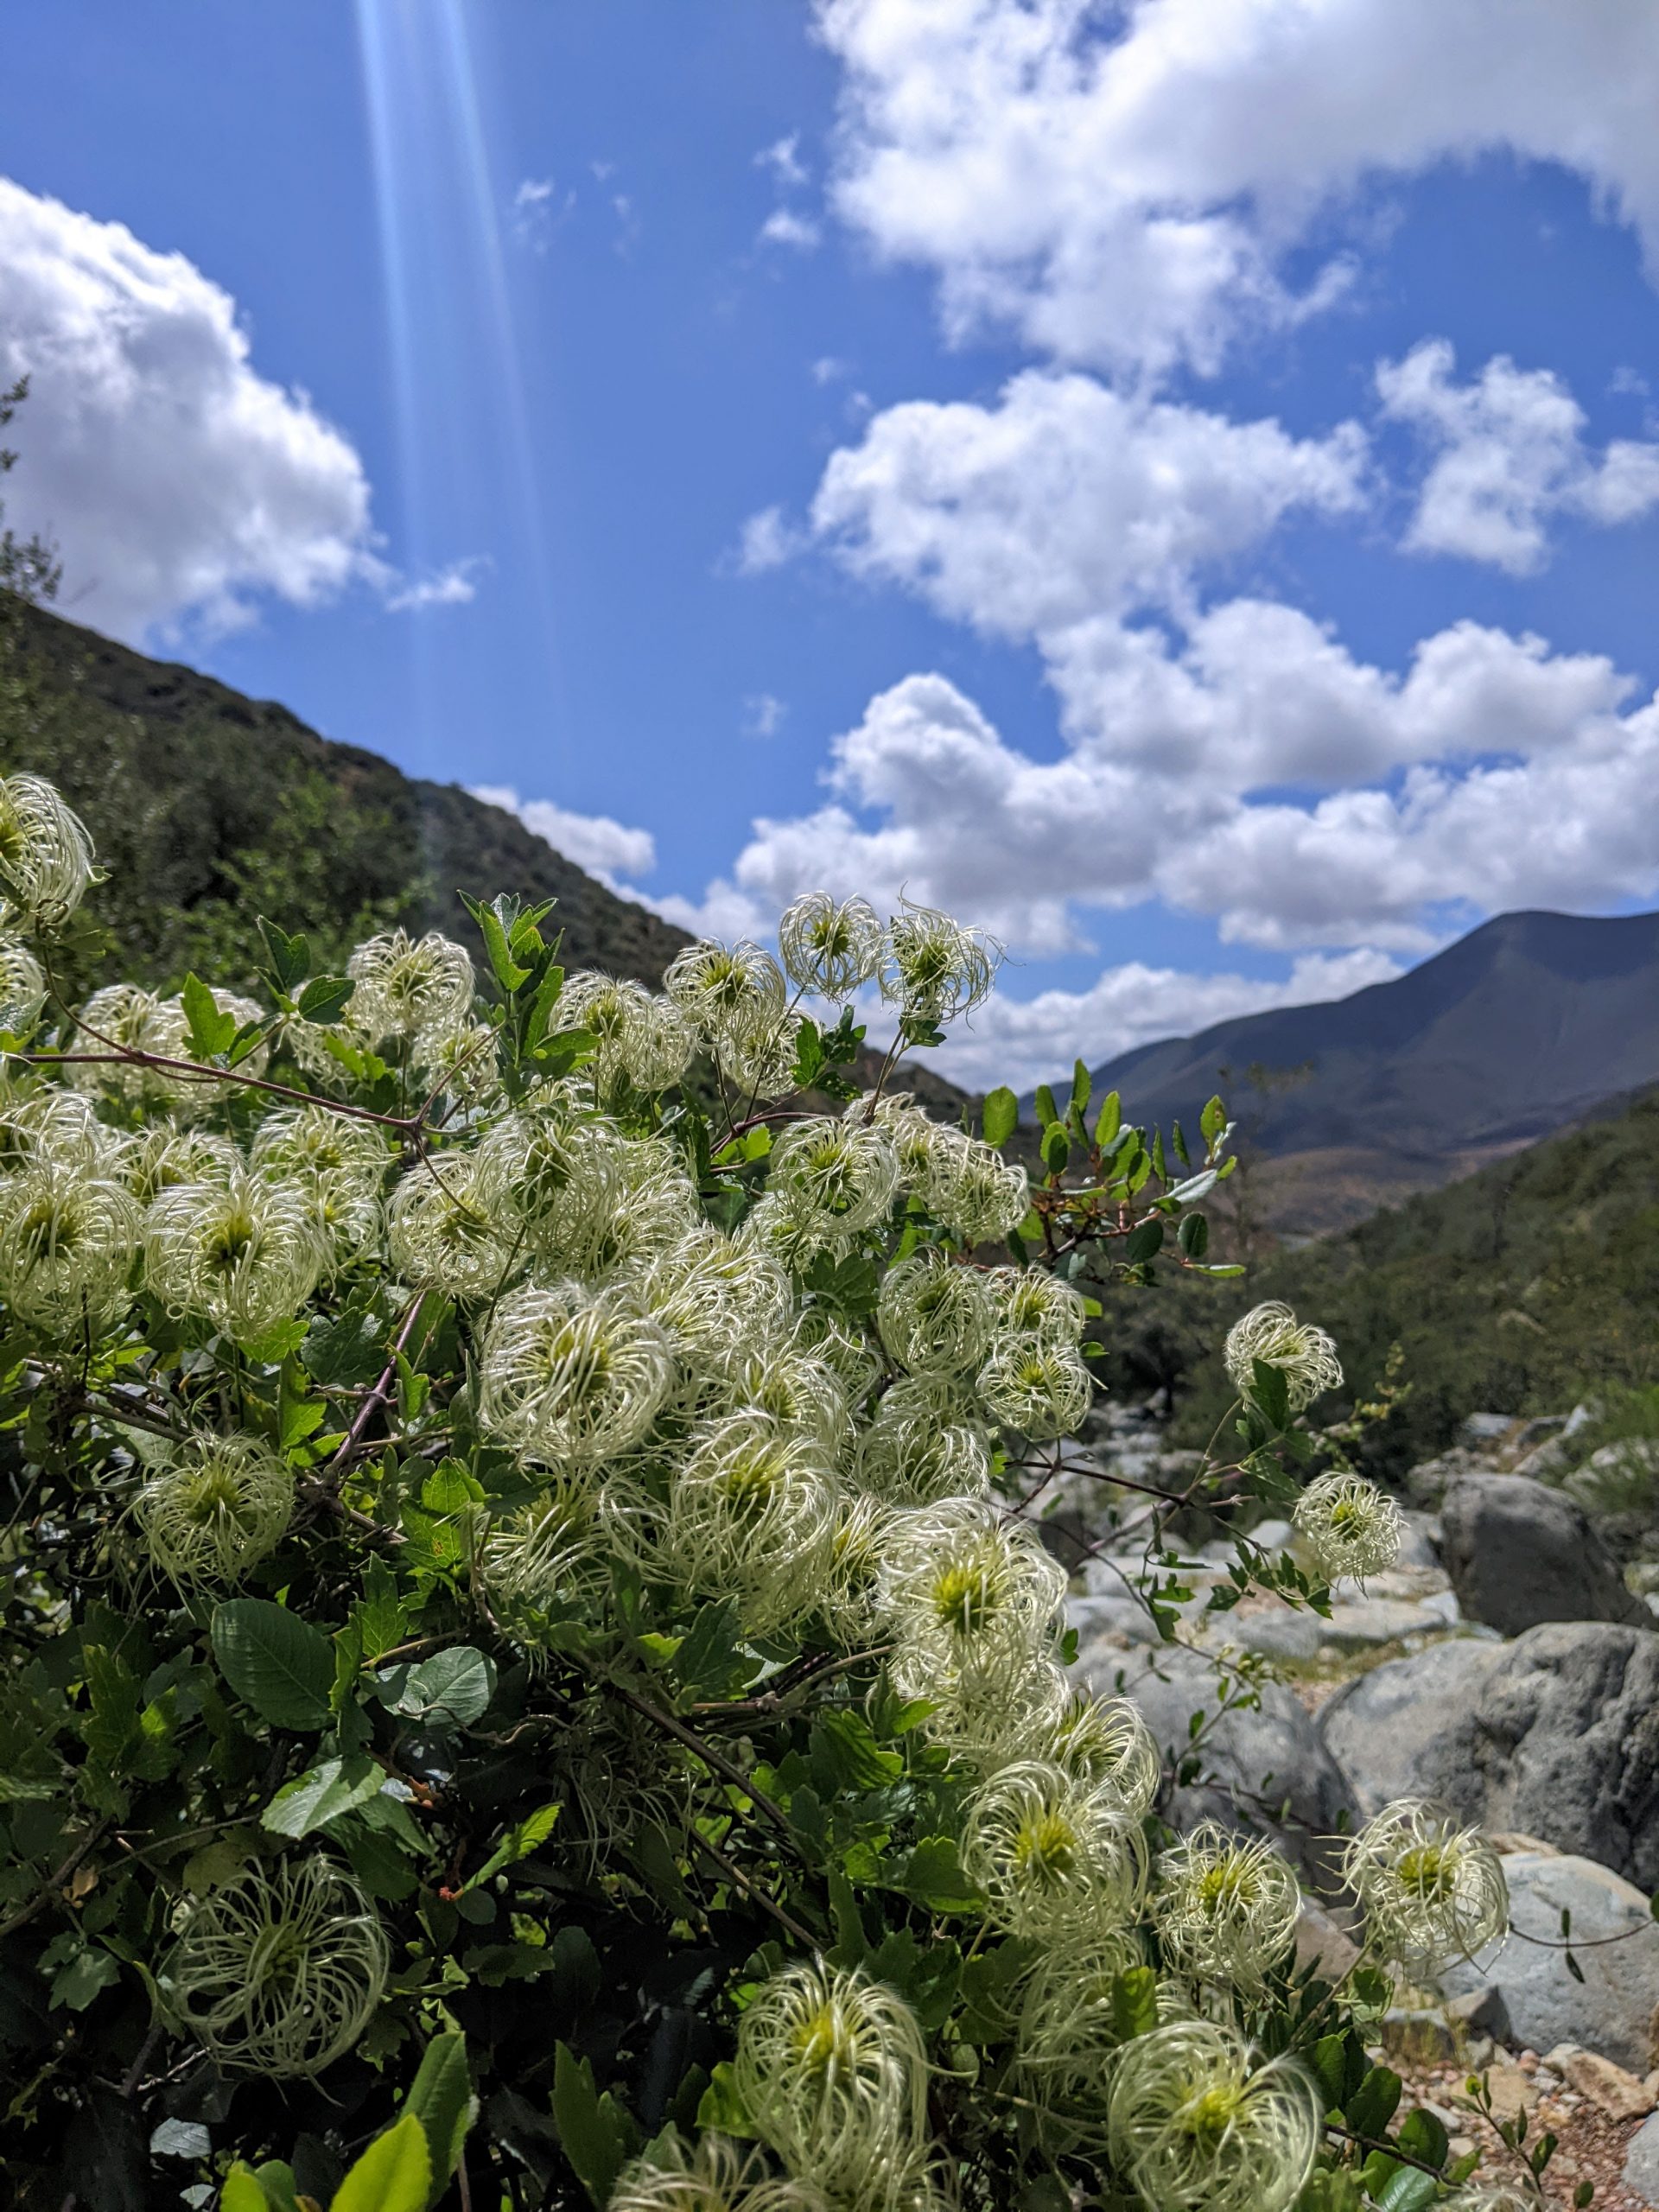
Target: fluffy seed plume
1271,1332
279,1971
1432,1890
1198,2126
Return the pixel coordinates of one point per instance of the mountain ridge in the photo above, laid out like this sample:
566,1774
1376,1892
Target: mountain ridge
1529,1023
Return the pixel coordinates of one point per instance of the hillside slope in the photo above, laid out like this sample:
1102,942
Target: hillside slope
1520,1289
207,808
1525,1024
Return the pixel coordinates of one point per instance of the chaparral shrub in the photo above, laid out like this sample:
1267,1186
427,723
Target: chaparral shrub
529,1676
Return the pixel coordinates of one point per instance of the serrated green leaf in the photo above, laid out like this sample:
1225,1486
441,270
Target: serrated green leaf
449,1690
594,2133
278,1663
1082,1088
1108,1121
209,1031
325,998
289,956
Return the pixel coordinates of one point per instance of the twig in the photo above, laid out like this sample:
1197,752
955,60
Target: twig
352,1442
716,1761
753,1890
195,1072
1389,2150
52,1883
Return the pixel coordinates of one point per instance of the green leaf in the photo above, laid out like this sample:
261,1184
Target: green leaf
1143,1242
1270,1393
325,998
1108,1121
379,1612
289,956
1212,1121
1082,1088
1423,2136
709,1661
1193,1235
242,2192
1407,2190
594,2133
1047,1111
933,1876
723,2109
503,966
1057,1148
323,1793
449,1690
1373,2105
393,2175
846,1756
525,1836
441,2097
210,1031
1134,2002
1000,1115
278,1663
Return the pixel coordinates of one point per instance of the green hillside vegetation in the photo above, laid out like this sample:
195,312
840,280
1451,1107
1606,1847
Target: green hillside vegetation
208,809
1522,1289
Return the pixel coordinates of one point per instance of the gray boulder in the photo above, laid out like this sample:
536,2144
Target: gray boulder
1555,1735
1641,2162
1265,1770
1404,1729
1611,2009
1519,1553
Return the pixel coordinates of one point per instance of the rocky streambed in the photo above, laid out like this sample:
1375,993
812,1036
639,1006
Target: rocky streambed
1507,1666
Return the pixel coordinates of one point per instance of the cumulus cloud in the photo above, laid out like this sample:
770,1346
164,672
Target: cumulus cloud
783,158
1125,185
176,480
1509,455
1066,499
607,850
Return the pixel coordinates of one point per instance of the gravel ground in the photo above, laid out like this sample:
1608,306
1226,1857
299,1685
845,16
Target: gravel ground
1592,2146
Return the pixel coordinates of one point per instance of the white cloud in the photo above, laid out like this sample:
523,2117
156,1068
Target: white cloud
828,368
784,227
1017,1040
763,715
1508,454
538,207
1067,500
783,158
766,541
455,586
174,478
1122,186
606,848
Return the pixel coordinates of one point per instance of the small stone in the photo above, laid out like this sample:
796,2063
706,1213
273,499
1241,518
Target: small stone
1513,2091
1419,2039
1617,2094
1481,2011
1322,1943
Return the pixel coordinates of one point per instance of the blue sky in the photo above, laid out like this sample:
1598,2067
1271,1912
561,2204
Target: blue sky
449,371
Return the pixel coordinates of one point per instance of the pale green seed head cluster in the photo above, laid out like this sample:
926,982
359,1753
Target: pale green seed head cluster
214,1507
1348,1526
242,1254
1225,1907
1305,1356
46,856
1199,2125
280,1971
833,2070
1431,1887
1058,1859
830,947
643,1040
